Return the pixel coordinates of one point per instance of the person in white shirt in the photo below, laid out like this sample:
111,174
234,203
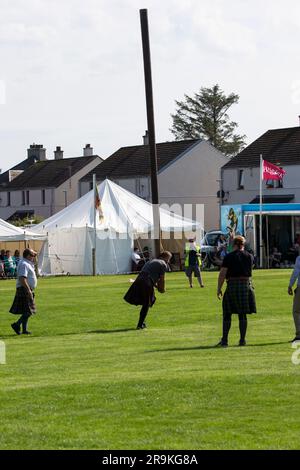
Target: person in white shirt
296,304
23,303
135,257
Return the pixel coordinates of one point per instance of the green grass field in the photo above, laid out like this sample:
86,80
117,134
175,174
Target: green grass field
86,379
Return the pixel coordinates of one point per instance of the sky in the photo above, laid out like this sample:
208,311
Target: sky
72,71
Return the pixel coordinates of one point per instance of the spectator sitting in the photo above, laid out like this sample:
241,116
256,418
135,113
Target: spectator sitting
146,253
275,258
2,272
293,252
9,265
137,261
2,255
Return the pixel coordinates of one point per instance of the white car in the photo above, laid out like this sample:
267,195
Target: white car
210,241
209,250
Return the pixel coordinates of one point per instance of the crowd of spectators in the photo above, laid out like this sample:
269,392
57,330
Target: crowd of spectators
8,264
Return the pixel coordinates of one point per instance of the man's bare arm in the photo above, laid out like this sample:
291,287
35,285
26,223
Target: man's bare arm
221,280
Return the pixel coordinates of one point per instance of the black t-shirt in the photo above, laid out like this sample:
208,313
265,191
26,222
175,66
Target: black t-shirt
193,258
155,269
238,264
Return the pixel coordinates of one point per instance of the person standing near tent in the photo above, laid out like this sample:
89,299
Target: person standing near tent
239,296
193,262
296,304
141,292
23,303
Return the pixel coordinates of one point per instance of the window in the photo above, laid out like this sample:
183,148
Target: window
43,196
23,198
8,198
27,198
273,184
241,180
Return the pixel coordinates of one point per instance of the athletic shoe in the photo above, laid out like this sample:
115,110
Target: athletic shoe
16,328
222,344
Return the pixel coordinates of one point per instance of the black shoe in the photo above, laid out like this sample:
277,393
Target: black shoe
26,332
222,344
16,328
242,343
295,340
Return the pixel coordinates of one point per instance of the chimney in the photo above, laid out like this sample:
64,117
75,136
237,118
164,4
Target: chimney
146,138
36,152
88,151
58,153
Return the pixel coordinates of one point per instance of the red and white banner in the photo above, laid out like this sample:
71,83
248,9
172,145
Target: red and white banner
271,172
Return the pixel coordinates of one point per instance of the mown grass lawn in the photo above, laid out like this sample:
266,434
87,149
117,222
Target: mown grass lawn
86,379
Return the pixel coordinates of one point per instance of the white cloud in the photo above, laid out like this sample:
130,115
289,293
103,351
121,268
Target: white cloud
73,70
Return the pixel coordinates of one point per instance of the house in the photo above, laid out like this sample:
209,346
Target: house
188,176
42,187
281,199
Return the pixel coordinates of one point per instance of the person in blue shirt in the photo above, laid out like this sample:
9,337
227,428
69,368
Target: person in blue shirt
296,304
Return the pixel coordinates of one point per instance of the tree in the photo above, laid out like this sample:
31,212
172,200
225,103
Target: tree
27,221
204,116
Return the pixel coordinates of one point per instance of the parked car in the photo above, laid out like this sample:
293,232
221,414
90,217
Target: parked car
210,241
209,250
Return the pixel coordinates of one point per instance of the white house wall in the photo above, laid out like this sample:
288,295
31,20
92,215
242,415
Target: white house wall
35,202
233,195
195,179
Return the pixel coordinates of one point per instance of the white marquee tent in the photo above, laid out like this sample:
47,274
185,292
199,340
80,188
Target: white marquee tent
11,233
71,234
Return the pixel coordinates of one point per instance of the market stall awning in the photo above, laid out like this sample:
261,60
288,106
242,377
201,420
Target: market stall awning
271,199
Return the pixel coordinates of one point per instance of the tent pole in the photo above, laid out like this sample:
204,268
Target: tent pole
95,229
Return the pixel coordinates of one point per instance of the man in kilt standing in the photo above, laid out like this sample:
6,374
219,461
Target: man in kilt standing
239,297
23,303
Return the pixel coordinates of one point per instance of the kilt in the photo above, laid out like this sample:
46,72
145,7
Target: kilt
141,292
239,298
22,305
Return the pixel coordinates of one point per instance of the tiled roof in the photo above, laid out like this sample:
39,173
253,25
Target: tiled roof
135,161
4,177
49,173
278,146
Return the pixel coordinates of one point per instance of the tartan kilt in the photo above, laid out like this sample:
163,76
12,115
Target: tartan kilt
141,292
22,304
239,298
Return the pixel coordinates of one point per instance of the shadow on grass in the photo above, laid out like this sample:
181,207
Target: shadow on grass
102,332
13,335
201,348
